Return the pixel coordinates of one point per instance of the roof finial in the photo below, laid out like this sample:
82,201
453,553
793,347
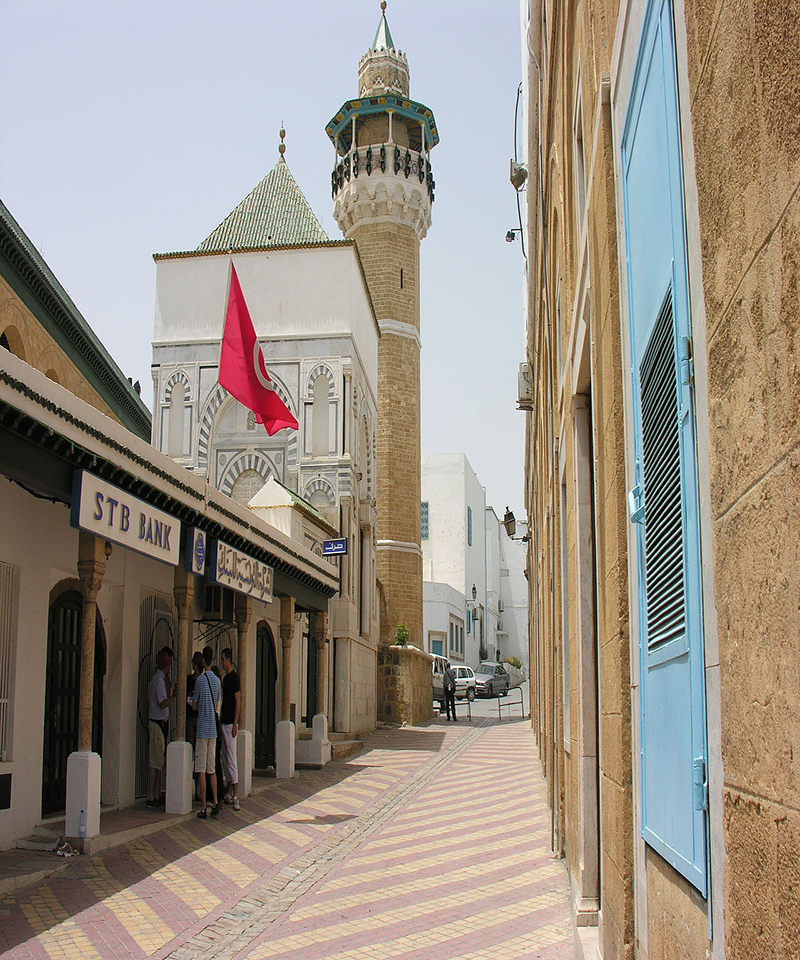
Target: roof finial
383,5
282,145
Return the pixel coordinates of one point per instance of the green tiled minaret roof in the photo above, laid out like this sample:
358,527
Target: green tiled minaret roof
274,212
383,36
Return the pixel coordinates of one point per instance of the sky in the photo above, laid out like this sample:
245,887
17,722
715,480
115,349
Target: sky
133,127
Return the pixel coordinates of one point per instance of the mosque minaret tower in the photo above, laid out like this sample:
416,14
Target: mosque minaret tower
383,190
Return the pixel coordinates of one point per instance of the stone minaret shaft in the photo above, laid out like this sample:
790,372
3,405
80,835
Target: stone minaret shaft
382,187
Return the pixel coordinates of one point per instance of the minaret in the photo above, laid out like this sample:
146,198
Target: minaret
382,189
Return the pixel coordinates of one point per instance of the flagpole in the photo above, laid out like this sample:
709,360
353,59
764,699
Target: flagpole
225,309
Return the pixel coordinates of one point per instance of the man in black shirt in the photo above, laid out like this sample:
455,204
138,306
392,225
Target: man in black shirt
229,720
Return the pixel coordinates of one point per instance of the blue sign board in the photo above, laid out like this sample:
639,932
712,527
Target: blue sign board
334,548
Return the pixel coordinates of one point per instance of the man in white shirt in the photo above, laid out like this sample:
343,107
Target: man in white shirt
158,723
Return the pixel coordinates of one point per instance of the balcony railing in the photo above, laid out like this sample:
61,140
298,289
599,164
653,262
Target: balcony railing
382,157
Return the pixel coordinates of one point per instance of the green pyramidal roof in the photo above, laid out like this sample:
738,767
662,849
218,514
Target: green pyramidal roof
383,36
274,212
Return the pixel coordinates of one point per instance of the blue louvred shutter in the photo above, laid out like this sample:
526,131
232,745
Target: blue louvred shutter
663,502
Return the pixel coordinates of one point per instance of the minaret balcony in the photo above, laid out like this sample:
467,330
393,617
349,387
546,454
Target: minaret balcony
380,159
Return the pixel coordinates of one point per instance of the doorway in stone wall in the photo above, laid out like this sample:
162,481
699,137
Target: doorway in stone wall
62,695
266,683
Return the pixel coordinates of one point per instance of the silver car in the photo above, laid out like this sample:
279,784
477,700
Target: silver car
491,679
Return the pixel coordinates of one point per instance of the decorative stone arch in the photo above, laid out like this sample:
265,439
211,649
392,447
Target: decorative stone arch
246,461
175,377
11,339
321,370
320,485
75,585
211,407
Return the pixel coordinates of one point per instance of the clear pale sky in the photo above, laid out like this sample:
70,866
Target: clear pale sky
131,127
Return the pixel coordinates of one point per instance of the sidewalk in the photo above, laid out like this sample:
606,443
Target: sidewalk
431,844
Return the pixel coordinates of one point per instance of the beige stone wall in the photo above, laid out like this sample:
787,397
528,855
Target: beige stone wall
744,97
31,342
386,249
405,685
363,701
744,78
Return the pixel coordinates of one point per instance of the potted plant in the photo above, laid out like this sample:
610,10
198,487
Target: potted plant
401,635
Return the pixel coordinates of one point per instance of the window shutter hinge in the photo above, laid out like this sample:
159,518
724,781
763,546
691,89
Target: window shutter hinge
687,363
636,496
700,784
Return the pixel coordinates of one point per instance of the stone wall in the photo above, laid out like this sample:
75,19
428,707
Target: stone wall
405,685
744,79
739,92
29,341
390,254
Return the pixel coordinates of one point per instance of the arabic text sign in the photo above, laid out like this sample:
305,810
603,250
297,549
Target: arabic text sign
232,568
334,548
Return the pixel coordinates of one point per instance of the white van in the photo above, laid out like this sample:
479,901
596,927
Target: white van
465,680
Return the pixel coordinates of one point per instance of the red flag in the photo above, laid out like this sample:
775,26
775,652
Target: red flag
242,370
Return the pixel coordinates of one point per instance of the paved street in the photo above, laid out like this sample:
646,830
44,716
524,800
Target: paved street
431,843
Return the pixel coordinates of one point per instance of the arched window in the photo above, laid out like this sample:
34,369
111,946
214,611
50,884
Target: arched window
11,339
246,486
176,416
320,418
320,500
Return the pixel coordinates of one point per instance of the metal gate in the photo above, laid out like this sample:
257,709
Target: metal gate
62,696
156,630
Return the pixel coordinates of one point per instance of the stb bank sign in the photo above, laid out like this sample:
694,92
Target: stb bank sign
114,514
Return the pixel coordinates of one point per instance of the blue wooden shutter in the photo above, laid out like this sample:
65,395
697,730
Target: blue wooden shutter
663,503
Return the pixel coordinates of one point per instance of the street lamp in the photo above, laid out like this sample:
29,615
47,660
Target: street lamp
510,523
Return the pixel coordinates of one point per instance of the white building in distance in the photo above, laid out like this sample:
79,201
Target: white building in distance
475,591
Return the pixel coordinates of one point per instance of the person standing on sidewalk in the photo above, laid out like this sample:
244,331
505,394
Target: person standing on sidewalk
159,699
205,700
191,717
229,720
449,684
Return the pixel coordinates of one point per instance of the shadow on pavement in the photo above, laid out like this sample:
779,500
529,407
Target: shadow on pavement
86,881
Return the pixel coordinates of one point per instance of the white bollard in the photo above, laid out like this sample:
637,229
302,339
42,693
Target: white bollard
284,750
244,761
180,784
83,795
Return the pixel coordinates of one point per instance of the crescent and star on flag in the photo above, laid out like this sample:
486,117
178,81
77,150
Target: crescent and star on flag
242,369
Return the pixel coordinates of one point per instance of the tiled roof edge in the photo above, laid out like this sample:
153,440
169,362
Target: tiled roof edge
103,373
310,245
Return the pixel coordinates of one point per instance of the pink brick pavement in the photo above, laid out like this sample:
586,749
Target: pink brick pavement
431,843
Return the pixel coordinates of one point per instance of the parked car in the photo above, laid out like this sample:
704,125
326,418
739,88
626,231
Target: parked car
491,679
465,682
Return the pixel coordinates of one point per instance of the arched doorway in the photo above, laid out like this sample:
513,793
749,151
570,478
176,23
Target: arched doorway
266,680
62,695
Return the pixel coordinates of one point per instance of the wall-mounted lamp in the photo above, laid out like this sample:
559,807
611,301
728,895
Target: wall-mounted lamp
511,236
510,523
518,174
474,592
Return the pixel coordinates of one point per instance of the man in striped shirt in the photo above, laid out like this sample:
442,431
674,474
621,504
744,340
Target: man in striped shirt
205,700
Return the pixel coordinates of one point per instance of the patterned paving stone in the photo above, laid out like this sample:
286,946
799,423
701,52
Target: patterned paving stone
432,843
